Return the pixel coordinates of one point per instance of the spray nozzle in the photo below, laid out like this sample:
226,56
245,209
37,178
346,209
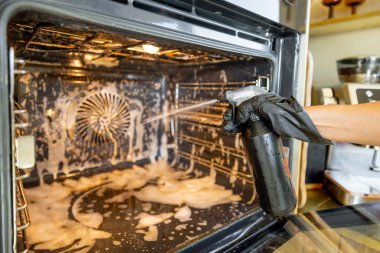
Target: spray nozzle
240,95
222,98
236,97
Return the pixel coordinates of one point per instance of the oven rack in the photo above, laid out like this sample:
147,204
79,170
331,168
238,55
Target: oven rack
46,38
20,126
191,93
228,152
80,75
227,171
214,85
209,117
261,81
208,145
205,118
22,218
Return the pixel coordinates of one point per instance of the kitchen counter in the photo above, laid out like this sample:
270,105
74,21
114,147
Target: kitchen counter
319,199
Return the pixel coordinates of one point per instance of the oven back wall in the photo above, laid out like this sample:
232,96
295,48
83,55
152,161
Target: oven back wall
94,123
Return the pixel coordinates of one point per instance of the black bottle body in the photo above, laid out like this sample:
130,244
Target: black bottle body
271,174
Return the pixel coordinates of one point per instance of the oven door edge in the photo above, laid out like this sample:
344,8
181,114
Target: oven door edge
233,235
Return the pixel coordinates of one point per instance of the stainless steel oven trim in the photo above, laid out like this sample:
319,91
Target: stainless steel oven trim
92,12
142,21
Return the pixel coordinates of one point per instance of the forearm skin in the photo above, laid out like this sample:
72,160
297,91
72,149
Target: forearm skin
348,123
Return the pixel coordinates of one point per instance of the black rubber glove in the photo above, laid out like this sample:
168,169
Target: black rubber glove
284,115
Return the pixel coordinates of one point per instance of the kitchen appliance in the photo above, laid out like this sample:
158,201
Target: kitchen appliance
82,79
362,69
359,93
352,176
359,78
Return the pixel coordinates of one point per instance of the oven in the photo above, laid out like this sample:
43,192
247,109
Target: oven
93,159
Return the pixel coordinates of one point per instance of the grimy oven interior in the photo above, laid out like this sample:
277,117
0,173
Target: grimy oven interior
110,174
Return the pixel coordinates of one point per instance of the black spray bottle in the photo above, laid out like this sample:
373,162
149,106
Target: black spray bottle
264,154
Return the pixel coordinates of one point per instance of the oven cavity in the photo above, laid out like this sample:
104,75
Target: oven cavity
112,171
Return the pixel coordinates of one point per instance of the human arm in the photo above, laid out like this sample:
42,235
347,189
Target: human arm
348,123
285,116
345,123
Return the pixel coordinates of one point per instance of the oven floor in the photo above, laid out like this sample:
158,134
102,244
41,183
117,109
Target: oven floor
99,217
123,221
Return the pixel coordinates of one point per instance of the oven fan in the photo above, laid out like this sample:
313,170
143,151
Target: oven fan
102,118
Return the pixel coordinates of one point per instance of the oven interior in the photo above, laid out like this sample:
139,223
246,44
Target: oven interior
110,173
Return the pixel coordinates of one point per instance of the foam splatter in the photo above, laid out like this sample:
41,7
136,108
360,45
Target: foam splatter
52,228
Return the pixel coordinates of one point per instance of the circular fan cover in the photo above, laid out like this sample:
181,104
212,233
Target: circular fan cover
102,118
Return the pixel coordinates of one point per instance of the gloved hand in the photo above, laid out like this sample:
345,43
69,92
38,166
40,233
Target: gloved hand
284,115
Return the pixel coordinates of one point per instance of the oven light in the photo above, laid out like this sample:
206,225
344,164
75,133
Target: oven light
88,57
76,63
150,49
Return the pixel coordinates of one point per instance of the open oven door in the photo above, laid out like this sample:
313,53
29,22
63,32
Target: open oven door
345,229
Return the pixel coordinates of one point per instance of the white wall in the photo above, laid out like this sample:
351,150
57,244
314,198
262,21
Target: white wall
328,49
